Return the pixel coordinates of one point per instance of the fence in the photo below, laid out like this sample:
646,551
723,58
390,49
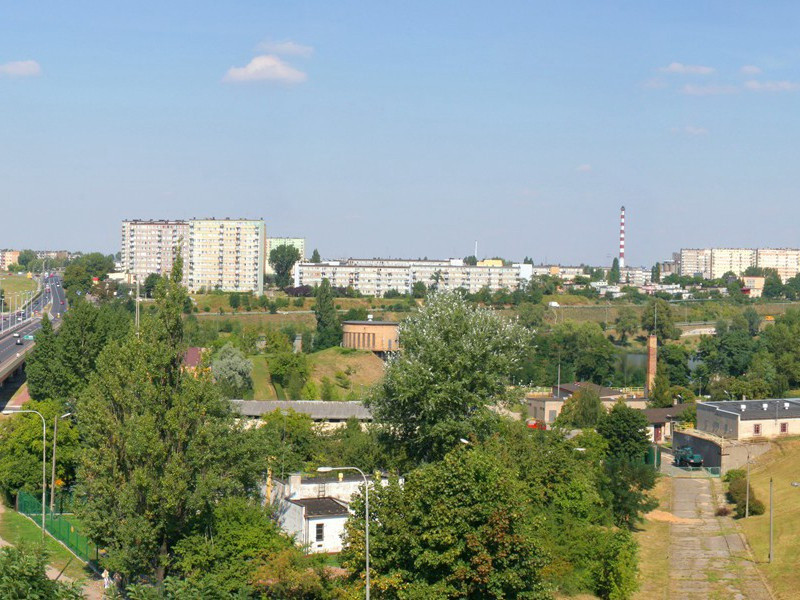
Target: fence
59,527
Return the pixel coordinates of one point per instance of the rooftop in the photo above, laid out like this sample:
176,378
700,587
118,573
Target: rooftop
322,507
392,323
318,410
662,415
758,410
602,391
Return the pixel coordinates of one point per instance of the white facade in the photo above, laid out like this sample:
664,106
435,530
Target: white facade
150,246
275,242
731,260
318,533
786,261
375,277
226,254
713,263
696,261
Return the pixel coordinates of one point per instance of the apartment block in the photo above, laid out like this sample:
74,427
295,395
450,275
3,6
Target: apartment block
226,254
275,242
8,258
786,261
731,260
375,277
150,246
696,262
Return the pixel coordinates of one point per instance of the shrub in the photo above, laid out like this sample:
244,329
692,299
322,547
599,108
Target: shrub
299,302
723,511
734,474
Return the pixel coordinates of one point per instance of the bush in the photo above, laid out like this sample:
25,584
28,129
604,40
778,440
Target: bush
723,511
734,474
756,507
737,494
299,302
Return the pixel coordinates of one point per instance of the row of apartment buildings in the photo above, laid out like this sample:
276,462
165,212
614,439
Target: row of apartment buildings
226,254
713,263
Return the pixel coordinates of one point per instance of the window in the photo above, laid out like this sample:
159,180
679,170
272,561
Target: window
320,531
757,429
784,428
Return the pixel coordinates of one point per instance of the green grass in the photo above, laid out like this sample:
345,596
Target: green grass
17,529
12,284
262,384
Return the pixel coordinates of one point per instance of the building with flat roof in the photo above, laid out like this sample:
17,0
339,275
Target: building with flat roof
275,242
375,277
546,409
786,261
8,258
748,419
376,336
151,246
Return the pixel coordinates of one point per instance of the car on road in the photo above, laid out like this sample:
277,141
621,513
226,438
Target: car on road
62,302
18,341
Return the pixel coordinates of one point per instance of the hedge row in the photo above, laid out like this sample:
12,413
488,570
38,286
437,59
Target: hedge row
737,494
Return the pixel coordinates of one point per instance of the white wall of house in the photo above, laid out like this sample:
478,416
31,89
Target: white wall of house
291,518
332,533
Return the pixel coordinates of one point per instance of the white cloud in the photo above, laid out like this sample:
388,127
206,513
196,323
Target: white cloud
584,168
771,86
21,68
287,48
654,83
691,130
708,90
682,69
750,70
266,67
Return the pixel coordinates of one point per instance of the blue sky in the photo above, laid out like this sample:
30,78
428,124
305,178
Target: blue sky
405,128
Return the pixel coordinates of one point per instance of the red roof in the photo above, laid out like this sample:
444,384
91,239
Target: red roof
192,357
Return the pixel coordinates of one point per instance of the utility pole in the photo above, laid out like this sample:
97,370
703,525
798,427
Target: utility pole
137,306
770,520
747,493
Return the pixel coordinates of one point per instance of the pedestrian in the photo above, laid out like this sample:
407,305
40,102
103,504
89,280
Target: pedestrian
106,579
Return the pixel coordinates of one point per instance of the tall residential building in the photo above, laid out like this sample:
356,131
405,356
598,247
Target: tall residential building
731,260
8,258
696,262
786,261
275,242
375,277
226,254
150,246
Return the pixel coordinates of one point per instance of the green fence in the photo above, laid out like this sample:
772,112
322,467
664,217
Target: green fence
60,527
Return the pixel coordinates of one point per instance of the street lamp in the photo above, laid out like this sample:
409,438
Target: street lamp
44,456
56,419
366,510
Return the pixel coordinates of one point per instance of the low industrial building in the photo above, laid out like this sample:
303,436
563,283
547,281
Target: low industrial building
380,337
546,409
328,414
661,421
750,419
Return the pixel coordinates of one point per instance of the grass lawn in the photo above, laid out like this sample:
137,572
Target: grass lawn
12,284
780,463
16,529
653,539
362,368
262,385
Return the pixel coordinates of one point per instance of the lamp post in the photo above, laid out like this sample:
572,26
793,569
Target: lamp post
56,419
366,511
44,456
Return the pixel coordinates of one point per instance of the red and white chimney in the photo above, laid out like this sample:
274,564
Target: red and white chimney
622,237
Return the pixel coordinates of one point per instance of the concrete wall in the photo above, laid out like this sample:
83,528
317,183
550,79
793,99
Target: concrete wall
720,423
722,453
376,337
291,518
333,533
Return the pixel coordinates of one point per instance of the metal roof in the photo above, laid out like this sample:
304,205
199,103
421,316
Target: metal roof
322,507
318,410
662,415
754,410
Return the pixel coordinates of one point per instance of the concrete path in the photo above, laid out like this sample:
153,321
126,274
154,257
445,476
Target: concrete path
708,559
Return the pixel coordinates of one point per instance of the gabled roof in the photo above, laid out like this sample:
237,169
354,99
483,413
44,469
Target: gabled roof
662,415
322,507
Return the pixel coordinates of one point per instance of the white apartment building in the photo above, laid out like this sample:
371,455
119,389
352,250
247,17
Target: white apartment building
696,261
150,246
375,277
226,254
731,260
275,242
786,261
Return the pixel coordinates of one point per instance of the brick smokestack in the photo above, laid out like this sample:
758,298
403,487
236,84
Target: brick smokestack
622,238
652,365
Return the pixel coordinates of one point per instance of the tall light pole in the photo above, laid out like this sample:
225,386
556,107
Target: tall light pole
366,511
44,457
56,419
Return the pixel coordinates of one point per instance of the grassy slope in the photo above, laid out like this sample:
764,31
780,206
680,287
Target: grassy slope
781,463
262,386
16,529
16,283
653,539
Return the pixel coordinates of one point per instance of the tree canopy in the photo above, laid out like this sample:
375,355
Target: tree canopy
282,259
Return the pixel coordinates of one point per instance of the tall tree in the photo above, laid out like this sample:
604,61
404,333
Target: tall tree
232,371
282,259
315,257
26,257
655,273
661,394
613,272
582,410
625,430
160,446
455,364
43,369
150,283
627,323
459,528
657,318
329,328
23,574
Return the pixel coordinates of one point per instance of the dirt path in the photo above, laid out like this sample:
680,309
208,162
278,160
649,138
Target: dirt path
707,559
92,590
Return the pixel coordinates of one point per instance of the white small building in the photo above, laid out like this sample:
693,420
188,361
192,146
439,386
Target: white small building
749,419
316,523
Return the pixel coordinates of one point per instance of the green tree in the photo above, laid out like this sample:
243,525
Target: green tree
315,257
753,320
287,439
460,528
627,323
25,257
613,273
159,445
615,573
283,365
471,260
655,273
455,364
661,394
581,410
23,574
773,286
419,289
234,301
657,319
150,283
329,328
625,488
625,430
232,371
43,369
282,259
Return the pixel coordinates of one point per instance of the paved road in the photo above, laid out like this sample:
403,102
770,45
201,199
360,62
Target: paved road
707,557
